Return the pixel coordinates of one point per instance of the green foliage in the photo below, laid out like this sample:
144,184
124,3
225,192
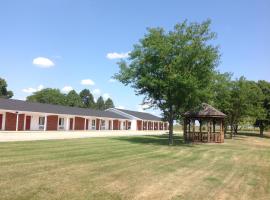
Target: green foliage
4,92
48,95
73,99
108,104
245,102
173,70
87,98
100,105
265,87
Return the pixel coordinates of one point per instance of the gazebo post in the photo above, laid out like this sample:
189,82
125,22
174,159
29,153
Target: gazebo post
200,121
185,129
208,130
214,126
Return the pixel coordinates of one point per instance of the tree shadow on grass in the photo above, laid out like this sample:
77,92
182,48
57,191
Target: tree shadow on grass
252,134
155,140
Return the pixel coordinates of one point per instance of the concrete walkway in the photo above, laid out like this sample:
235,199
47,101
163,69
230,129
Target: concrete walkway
9,136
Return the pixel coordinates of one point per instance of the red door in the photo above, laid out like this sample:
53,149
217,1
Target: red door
1,119
110,124
87,122
71,124
28,123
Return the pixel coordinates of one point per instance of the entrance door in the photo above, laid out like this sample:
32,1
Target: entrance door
28,123
110,124
1,120
71,124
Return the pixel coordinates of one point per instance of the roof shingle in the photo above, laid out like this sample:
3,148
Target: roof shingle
19,105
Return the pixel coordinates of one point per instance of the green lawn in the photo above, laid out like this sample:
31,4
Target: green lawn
135,168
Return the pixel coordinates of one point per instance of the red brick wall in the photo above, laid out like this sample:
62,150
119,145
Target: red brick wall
52,123
79,123
110,125
21,122
160,126
10,123
1,120
156,126
115,125
166,126
71,124
139,125
87,124
97,124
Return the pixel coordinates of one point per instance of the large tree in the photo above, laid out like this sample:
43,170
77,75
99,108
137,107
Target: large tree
173,70
100,103
73,99
4,92
108,104
222,93
48,95
87,98
263,121
245,103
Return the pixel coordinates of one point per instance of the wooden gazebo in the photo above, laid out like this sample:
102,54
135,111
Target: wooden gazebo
204,124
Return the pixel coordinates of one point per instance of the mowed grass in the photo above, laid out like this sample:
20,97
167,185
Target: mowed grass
142,167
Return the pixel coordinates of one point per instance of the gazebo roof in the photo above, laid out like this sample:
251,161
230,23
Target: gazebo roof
205,110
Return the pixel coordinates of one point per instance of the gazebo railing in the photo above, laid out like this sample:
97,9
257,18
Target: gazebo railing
203,137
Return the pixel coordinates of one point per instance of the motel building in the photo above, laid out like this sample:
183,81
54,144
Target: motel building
18,115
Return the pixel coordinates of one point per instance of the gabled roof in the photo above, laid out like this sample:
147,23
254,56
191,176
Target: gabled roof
205,110
140,115
19,105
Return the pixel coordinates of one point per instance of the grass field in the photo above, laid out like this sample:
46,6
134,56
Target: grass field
141,167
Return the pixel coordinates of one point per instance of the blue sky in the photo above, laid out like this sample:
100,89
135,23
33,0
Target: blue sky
77,36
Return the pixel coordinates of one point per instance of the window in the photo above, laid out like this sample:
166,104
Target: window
41,122
93,124
61,123
103,124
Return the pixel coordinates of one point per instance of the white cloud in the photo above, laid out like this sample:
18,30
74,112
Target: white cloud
112,80
67,89
43,62
115,55
120,107
96,92
142,107
87,82
31,90
106,96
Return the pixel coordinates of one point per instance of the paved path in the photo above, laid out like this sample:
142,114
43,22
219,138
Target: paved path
53,135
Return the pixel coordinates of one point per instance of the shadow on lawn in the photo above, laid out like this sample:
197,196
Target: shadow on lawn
155,140
254,134
249,134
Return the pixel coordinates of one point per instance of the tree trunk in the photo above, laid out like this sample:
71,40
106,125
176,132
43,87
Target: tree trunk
261,130
171,132
231,130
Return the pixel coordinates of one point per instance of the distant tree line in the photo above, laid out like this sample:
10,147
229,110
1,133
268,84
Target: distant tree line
243,101
84,99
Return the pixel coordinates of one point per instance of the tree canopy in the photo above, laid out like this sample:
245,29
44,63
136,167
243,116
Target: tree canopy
4,92
173,70
108,104
48,95
87,98
84,99
100,105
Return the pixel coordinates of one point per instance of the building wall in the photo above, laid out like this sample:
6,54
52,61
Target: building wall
52,123
79,123
10,121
